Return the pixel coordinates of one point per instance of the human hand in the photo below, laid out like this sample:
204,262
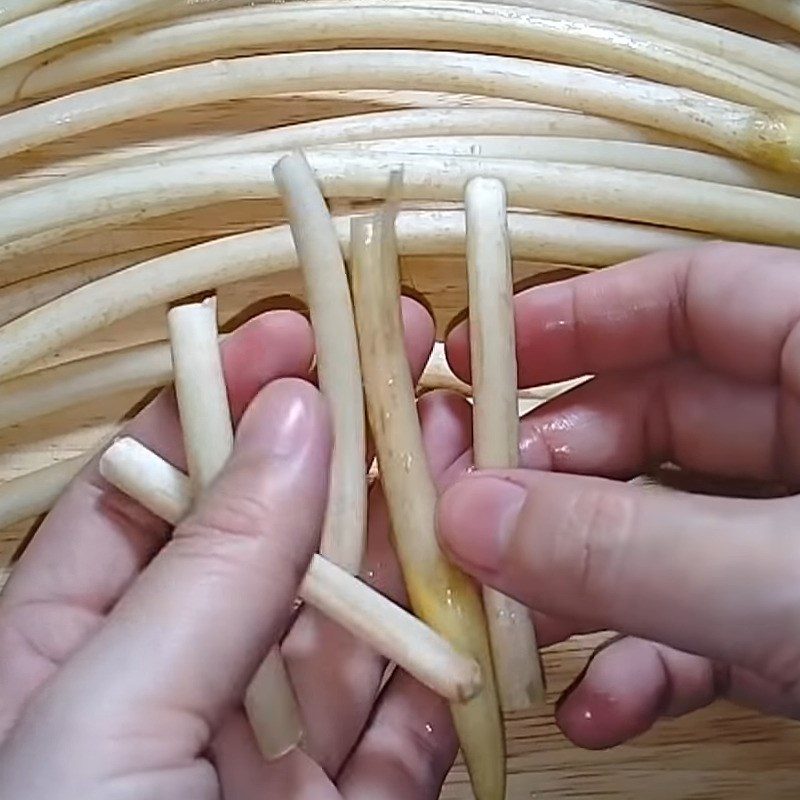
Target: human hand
124,650
697,362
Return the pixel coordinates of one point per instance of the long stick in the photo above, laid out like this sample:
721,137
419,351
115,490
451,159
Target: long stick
328,297
40,217
348,601
496,419
439,593
486,28
766,137
208,440
34,34
540,238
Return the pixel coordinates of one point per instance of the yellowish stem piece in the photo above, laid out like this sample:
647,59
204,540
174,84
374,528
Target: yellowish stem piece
346,600
208,440
496,419
328,295
440,594
787,12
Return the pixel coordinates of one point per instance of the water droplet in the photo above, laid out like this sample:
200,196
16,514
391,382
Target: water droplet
587,715
428,728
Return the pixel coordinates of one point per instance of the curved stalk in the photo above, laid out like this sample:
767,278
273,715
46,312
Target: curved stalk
338,368
514,29
30,35
176,275
768,137
11,10
40,217
207,428
359,130
729,45
248,255
440,594
515,653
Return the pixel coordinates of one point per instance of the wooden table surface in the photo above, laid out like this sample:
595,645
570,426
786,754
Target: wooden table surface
721,753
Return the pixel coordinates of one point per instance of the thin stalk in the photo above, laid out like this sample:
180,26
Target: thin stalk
496,420
351,603
787,12
40,217
440,594
539,238
768,137
35,493
328,296
591,152
468,121
11,10
731,46
56,388
208,441
34,34
516,29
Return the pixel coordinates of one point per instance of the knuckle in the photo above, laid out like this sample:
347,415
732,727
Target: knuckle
589,548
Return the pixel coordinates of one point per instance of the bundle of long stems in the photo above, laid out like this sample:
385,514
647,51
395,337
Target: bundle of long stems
671,130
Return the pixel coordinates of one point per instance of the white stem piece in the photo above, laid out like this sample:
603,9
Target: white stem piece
11,10
346,600
34,34
787,12
440,594
40,217
496,420
328,296
208,440
535,237
36,493
201,391
768,137
486,27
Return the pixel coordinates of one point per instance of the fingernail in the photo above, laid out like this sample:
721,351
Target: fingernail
477,518
280,420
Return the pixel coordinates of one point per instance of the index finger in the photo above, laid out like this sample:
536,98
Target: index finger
732,306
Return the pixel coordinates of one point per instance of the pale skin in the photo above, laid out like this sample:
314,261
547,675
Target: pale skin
121,671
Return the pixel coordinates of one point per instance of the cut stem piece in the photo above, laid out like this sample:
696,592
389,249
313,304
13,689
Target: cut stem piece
208,440
328,295
348,601
496,419
440,594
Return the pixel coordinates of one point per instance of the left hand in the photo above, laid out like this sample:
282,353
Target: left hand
124,651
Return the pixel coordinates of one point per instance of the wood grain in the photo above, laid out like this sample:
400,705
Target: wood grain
721,753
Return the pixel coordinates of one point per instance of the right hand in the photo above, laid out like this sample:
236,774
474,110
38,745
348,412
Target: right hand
697,362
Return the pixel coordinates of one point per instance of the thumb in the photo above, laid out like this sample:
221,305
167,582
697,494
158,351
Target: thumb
192,630
706,575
